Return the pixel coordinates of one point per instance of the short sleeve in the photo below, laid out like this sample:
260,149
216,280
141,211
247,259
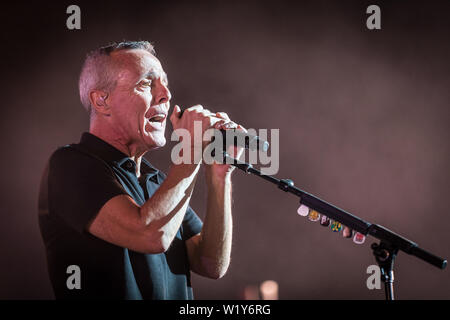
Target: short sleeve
192,224
79,185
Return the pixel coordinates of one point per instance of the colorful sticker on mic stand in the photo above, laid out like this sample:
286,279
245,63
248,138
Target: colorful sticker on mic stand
324,221
347,233
303,210
313,215
336,226
359,238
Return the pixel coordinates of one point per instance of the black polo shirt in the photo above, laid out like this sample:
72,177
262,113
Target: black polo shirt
78,181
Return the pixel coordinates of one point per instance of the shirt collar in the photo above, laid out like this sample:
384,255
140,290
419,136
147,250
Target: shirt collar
112,156
150,171
101,148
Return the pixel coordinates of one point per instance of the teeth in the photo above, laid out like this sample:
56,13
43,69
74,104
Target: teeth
157,118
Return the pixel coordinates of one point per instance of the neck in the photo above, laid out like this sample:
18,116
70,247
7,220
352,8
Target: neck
128,148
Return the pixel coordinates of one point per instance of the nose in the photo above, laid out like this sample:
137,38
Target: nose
162,94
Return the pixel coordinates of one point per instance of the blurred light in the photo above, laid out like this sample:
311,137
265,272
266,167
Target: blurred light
269,290
251,292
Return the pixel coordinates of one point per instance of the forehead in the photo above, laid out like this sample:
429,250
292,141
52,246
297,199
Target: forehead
139,64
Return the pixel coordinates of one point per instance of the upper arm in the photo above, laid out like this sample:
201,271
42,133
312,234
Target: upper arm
78,187
119,222
192,226
87,196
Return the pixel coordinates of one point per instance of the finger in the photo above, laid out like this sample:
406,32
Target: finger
196,108
200,110
219,124
239,127
222,115
226,125
207,113
176,113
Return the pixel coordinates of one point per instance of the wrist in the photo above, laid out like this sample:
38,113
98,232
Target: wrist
215,174
184,169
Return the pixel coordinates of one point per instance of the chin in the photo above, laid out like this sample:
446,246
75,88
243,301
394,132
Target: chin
161,143
155,142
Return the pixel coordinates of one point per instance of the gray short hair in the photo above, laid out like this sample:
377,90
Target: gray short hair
99,71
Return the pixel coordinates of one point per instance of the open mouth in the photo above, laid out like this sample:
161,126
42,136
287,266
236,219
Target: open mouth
158,118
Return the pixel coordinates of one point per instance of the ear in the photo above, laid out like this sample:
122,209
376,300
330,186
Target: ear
99,102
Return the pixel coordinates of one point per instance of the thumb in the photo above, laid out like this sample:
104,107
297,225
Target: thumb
176,113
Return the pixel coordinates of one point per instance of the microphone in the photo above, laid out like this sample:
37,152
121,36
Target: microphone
242,139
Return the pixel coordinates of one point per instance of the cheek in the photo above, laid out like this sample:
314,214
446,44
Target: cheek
142,101
133,106
143,94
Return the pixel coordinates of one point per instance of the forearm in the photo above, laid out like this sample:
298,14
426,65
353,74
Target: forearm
215,245
163,213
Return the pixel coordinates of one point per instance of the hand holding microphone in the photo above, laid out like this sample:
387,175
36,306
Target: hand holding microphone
238,137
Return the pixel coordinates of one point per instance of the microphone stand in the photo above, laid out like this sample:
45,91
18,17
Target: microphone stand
385,251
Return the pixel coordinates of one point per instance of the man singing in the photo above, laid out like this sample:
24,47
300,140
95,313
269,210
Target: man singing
106,211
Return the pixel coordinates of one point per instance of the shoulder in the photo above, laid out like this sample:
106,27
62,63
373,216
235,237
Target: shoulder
74,158
66,152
